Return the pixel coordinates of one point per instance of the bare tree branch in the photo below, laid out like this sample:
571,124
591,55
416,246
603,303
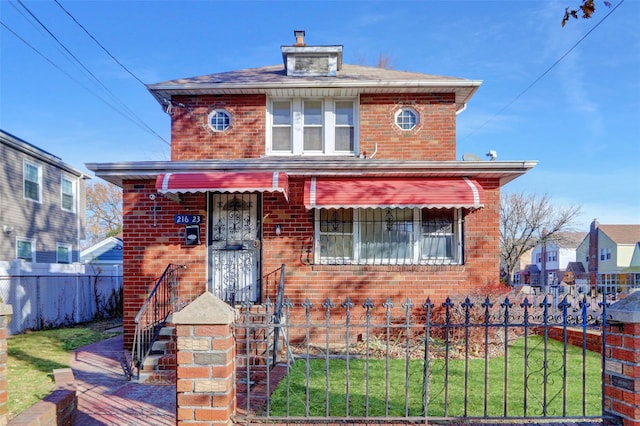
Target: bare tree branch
104,211
527,220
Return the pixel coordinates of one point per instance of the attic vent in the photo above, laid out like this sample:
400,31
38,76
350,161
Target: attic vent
312,63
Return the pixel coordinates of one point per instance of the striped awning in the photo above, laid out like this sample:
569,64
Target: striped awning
376,192
223,182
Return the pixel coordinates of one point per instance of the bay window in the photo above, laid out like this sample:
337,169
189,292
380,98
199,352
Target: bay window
388,236
312,126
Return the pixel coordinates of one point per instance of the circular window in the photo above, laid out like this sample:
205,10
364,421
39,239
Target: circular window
406,118
219,120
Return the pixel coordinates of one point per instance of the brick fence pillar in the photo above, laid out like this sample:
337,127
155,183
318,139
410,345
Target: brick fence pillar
205,389
622,360
5,317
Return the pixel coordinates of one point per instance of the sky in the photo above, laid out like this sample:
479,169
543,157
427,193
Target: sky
73,75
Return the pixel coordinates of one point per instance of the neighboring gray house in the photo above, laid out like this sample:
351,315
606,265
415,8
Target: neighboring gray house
106,252
42,205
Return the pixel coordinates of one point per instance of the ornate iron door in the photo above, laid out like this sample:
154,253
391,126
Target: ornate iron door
234,247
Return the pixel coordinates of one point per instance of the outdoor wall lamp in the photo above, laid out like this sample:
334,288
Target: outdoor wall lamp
278,229
7,229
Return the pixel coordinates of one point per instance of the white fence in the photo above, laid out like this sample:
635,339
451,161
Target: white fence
54,295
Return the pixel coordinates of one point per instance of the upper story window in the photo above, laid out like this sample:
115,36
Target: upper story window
605,254
32,178
552,256
68,194
312,126
407,118
219,120
26,249
63,253
388,236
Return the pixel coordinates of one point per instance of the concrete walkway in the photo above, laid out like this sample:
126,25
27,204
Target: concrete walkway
105,397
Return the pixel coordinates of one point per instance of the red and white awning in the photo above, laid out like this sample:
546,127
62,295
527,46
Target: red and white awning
376,192
223,182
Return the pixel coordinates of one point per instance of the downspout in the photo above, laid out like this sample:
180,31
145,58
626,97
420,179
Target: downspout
461,110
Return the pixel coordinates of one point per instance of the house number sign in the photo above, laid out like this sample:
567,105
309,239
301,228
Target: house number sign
187,219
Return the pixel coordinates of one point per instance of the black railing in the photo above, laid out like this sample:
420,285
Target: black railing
472,359
163,300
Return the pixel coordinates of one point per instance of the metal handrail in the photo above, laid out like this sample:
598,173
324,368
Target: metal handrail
162,301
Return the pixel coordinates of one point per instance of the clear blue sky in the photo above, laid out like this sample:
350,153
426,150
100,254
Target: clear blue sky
581,120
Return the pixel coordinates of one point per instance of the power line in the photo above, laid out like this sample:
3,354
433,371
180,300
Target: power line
541,76
66,73
99,44
130,115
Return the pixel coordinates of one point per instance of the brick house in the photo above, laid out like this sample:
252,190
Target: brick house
345,174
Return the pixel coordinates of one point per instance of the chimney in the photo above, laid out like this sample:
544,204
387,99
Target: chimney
299,37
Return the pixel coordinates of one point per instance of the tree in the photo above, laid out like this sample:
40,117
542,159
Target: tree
104,211
587,8
527,220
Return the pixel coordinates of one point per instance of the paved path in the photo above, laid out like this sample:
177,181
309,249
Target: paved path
105,397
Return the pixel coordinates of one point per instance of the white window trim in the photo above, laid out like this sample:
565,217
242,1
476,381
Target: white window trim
219,111
24,179
328,126
417,258
68,247
74,193
32,241
404,109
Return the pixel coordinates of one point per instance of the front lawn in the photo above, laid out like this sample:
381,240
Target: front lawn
34,355
392,397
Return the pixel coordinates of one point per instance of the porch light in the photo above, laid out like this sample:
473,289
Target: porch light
278,230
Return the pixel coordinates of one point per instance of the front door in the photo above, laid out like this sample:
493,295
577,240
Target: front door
234,247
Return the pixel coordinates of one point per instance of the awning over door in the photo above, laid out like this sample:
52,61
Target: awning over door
362,192
223,182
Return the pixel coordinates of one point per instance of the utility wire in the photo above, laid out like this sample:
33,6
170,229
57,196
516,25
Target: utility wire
544,73
100,44
136,120
67,74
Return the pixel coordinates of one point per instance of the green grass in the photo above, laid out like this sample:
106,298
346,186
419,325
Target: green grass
33,356
377,391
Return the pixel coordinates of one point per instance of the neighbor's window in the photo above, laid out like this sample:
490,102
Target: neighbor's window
312,126
25,249
32,178
389,236
63,253
605,254
219,120
68,194
407,118
552,256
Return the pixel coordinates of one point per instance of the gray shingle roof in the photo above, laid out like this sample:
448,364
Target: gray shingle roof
349,81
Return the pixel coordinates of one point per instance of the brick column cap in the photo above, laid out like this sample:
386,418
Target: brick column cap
5,309
206,309
626,310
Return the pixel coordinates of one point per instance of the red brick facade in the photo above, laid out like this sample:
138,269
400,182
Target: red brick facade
434,138
192,139
151,241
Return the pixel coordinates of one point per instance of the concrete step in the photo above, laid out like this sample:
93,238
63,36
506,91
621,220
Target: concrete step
157,378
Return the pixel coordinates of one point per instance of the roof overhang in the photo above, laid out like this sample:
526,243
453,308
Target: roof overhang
351,81
503,171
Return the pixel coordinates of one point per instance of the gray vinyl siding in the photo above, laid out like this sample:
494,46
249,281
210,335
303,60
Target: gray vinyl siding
45,221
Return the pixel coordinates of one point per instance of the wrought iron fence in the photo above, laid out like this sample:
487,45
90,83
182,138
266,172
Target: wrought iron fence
468,359
163,300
